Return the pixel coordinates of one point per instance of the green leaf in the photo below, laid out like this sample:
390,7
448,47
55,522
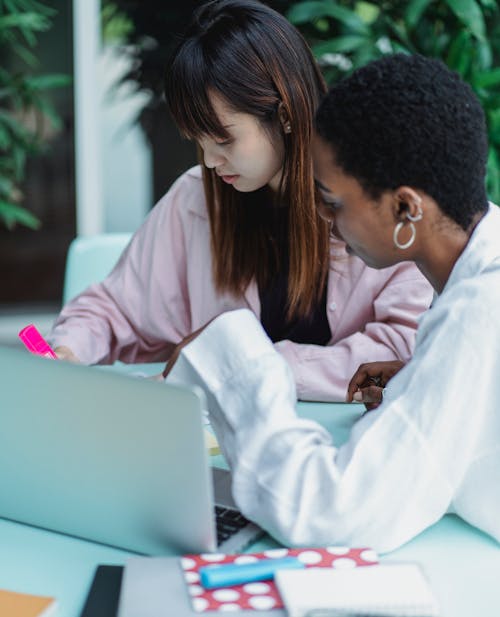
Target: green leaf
322,24
463,67
18,156
116,26
365,54
367,12
489,4
12,214
25,54
491,101
494,126
459,47
485,54
29,5
346,17
414,11
340,44
470,14
31,21
486,79
399,48
304,12
5,138
398,29
5,93
6,187
47,82
493,175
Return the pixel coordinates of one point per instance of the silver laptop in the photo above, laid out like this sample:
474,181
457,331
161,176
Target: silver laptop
112,458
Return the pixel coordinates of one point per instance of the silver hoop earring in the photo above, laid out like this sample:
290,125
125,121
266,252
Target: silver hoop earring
395,235
399,227
417,217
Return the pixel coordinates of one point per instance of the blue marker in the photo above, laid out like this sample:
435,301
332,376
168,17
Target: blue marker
231,574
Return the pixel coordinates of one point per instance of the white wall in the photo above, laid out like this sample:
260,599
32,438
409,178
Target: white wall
86,43
126,156
112,158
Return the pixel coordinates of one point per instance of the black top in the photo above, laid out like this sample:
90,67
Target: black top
313,329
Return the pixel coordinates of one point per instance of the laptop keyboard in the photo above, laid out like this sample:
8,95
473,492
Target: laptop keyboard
228,522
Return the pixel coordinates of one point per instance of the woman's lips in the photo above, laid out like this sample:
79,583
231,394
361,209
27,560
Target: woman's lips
229,179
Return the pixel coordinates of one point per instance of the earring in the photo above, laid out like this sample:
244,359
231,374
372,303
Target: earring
283,115
417,217
396,241
399,227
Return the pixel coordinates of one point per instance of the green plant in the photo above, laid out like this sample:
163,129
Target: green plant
465,34
25,111
151,29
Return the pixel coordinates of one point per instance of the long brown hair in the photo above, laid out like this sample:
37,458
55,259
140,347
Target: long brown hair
258,62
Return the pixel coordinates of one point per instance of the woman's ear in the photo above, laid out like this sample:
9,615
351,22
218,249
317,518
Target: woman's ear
284,118
407,204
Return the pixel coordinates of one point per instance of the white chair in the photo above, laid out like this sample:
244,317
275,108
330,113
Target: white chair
90,259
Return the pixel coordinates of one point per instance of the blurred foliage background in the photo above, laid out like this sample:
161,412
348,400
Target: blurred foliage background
27,117
345,34
465,34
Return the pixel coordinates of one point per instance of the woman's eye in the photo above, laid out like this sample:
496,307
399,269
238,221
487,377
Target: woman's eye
224,143
331,204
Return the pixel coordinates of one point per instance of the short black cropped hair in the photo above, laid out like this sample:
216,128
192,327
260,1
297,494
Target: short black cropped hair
409,120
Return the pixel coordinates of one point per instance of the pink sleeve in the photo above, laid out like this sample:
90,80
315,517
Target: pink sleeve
141,310
323,373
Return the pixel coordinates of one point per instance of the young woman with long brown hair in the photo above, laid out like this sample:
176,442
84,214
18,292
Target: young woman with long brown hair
243,230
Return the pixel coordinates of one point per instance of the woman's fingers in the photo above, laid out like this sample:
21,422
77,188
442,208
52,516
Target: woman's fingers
371,394
65,353
372,374
367,374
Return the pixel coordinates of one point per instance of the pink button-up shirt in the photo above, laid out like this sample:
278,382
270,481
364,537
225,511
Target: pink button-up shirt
162,289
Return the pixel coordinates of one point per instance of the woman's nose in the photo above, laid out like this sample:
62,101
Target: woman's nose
212,158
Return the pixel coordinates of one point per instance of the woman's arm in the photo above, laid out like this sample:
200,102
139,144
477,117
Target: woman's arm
396,475
141,310
387,333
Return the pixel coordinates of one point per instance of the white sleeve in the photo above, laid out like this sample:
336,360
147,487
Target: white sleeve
380,489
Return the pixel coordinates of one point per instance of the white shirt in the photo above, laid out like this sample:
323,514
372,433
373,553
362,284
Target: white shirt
432,447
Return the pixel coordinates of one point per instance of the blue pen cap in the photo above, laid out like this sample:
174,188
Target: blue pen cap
230,574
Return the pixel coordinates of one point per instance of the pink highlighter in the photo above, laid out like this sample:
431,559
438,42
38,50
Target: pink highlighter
35,342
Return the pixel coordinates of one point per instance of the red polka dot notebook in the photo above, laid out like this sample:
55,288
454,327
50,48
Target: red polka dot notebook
262,595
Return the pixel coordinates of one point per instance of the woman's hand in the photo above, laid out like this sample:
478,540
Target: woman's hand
369,381
65,353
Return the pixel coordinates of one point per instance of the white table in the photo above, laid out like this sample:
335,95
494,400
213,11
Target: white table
462,563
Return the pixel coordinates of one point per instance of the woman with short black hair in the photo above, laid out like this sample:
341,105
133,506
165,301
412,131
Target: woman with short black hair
400,160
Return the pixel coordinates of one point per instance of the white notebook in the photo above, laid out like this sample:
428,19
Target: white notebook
399,590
